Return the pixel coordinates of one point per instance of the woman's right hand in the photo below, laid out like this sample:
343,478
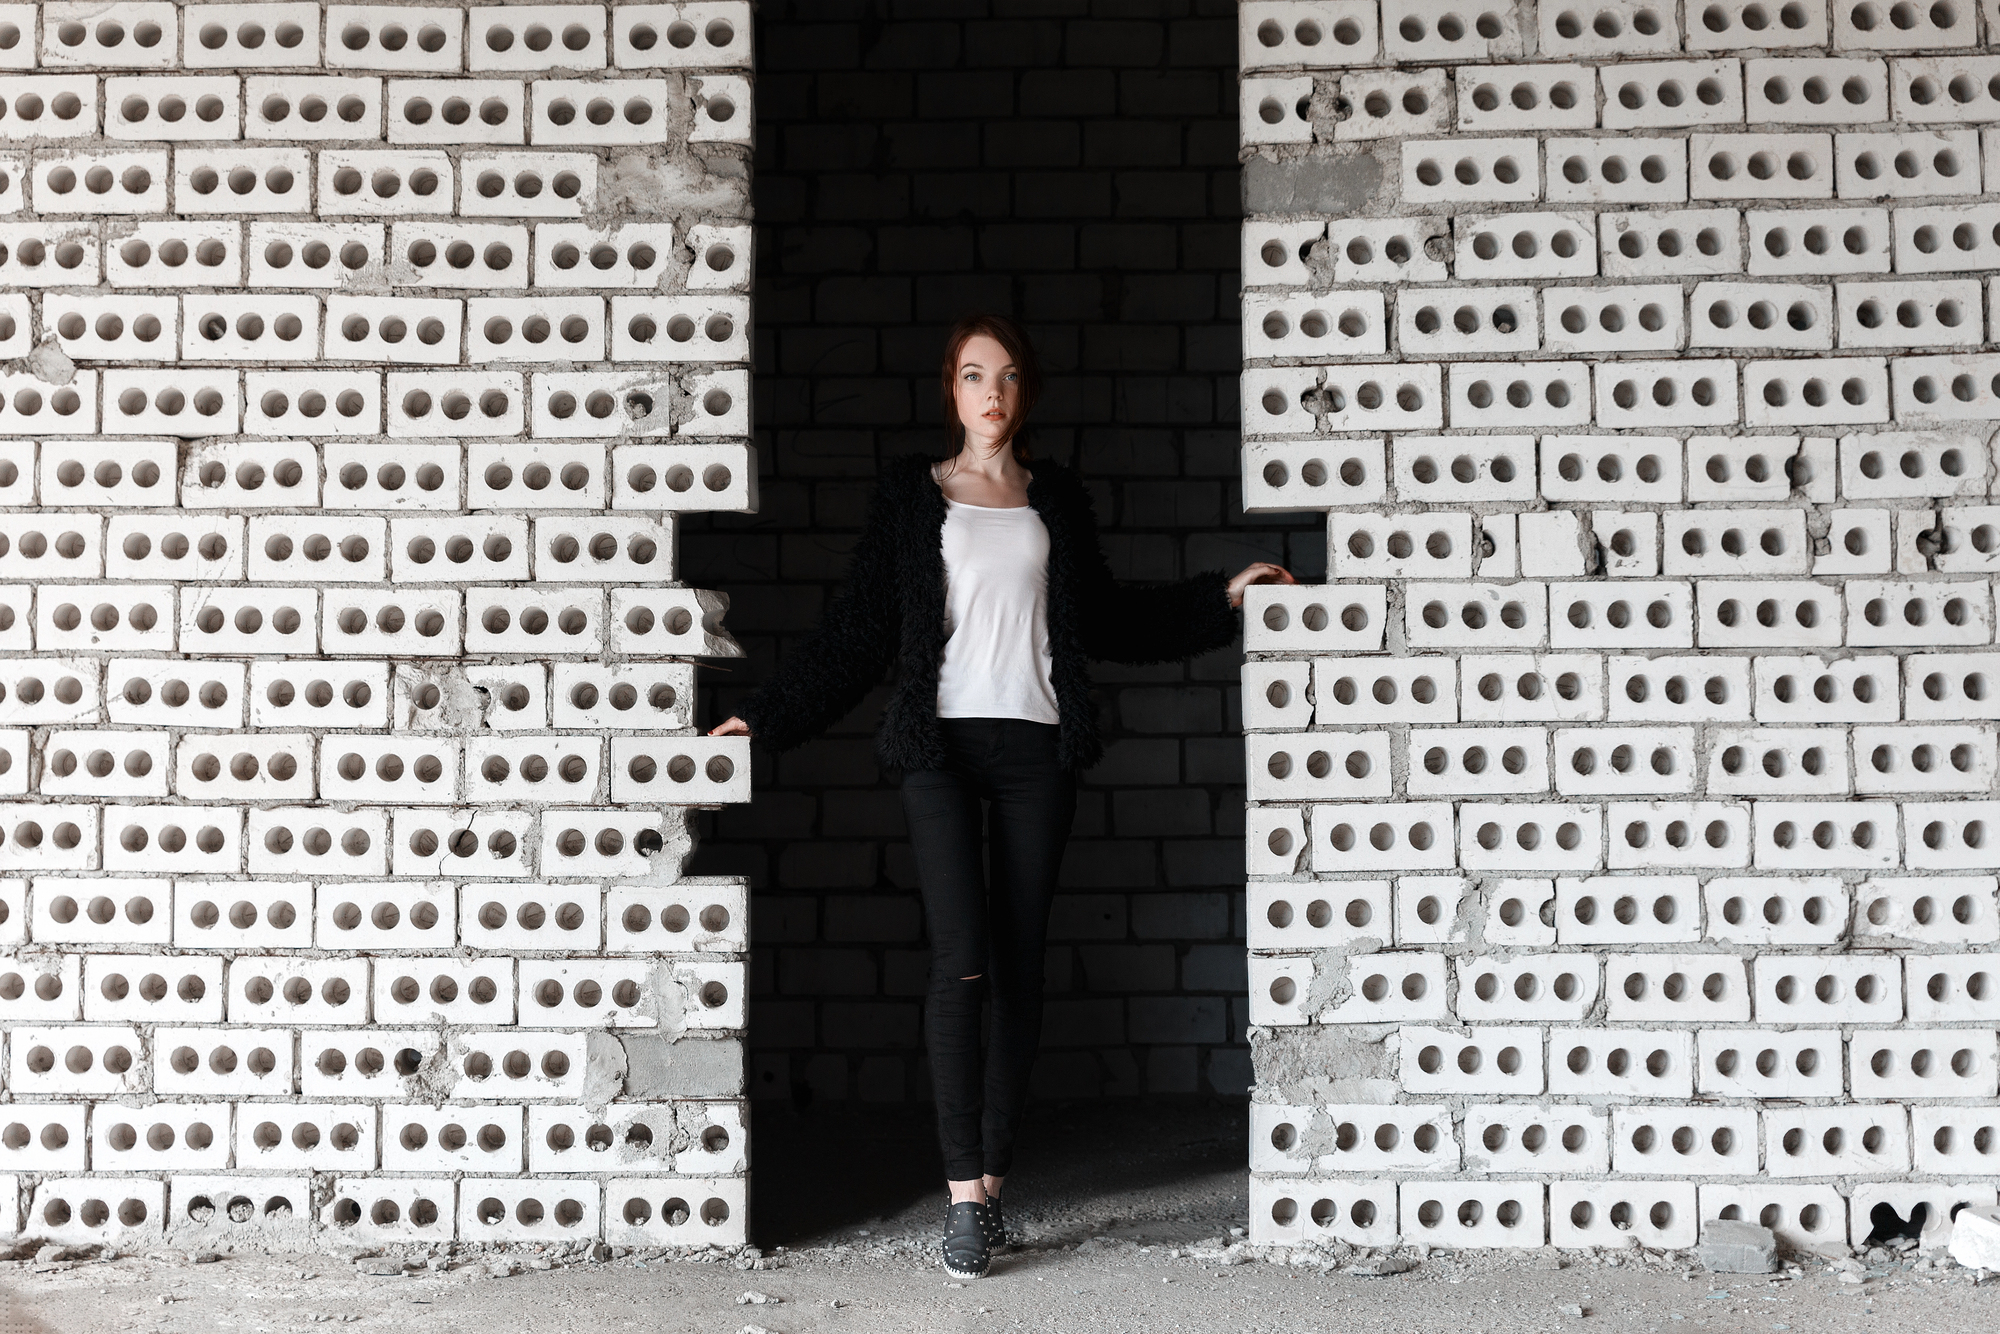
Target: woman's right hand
732,727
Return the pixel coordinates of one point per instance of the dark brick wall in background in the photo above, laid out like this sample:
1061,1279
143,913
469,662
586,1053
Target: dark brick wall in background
1073,163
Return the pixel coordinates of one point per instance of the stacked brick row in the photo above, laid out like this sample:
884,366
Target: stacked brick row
1623,807
361,359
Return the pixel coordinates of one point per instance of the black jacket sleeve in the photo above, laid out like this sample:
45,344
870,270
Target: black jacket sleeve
827,675
1143,622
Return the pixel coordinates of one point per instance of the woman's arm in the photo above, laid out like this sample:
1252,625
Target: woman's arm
1139,622
827,675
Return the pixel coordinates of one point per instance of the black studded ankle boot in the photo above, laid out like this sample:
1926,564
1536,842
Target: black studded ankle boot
996,1231
967,1253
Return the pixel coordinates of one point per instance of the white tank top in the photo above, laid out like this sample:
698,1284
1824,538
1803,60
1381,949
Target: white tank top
996,623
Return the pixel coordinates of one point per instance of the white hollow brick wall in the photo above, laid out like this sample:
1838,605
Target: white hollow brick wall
346,740
1625,802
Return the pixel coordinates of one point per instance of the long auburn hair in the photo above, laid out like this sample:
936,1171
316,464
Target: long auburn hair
1010,336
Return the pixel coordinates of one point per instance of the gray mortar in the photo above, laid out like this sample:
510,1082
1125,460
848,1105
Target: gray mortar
677,187
1330,985
1587,547
1319,263
1318,1136
47,363
687,1125
1395,634
1468,919
1340,185
666,866
670,407
1594,1017
1798,457
1329,108
604,1068
658,1068
1473,912
1400,758
432,1082
462,705
665,999
1324,1064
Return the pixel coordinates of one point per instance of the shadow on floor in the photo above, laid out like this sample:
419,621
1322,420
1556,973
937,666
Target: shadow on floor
1094,1168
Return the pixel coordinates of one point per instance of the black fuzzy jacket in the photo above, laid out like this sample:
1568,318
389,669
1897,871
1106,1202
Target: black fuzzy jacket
892,610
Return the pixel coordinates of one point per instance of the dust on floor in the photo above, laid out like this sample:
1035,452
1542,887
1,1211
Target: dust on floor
1126,1212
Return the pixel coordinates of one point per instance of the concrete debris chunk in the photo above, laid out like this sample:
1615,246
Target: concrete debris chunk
1729,1246
1975,1237
1382,1266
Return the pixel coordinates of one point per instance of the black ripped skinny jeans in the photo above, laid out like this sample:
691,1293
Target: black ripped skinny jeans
987,943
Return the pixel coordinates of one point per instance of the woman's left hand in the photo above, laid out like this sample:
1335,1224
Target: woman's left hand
1263,572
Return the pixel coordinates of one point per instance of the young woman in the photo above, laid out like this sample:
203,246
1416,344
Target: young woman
980,578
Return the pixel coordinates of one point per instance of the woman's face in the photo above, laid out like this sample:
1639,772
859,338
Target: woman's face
988,391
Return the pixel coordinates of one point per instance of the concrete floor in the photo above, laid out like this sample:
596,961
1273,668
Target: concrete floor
1113,1196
